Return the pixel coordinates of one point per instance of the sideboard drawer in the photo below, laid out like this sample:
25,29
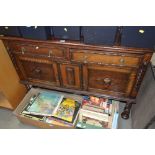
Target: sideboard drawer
103,58
50,51
109,79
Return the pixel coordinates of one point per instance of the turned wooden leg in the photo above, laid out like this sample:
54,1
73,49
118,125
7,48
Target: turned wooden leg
126,112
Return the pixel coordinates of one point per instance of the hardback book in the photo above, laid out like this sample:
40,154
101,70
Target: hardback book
44,104
67,110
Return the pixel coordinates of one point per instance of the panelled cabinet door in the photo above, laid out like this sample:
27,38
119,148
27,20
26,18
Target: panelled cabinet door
70,74
38,70
109,80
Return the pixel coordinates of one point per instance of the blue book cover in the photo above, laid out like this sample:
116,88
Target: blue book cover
115,121
44,104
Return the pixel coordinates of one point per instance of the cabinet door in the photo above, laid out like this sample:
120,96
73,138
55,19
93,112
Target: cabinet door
70,74
109,80
37,70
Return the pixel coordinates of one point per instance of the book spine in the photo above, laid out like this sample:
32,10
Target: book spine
95,109
61,121
95,115
115,121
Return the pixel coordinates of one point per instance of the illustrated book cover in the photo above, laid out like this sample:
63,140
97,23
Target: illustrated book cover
67,110
97,104
45,103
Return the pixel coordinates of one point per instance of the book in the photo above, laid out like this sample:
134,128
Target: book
97,104
52,119
56,122
44,104
93,115
115,120
87,122
34,117
92,108
67,110
115,115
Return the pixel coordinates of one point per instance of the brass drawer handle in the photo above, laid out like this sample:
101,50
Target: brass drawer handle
85,58
37,71
50,53
122,61
107,81
23,50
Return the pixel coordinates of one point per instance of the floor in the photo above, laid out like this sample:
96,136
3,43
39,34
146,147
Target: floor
9,121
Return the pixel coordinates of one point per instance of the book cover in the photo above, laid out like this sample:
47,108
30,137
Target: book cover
67,110
44,104
97,104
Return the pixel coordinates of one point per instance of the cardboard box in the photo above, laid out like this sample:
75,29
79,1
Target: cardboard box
37,123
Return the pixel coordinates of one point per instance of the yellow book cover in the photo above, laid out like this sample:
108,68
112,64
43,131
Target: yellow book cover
66,110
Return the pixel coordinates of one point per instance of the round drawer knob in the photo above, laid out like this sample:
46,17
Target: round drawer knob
36,47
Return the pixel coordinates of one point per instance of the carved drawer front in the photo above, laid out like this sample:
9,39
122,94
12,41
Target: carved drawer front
38,70
70,74
102,58
50,51
109,80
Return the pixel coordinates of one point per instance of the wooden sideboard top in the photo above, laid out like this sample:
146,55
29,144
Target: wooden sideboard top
80,44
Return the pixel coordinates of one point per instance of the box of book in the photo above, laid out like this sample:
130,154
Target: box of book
98,113
49,109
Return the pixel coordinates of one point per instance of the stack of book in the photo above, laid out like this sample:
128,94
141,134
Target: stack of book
98,113
52,108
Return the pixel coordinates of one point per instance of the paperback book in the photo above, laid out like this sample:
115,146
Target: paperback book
67,110
35,117
44,104
97,104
